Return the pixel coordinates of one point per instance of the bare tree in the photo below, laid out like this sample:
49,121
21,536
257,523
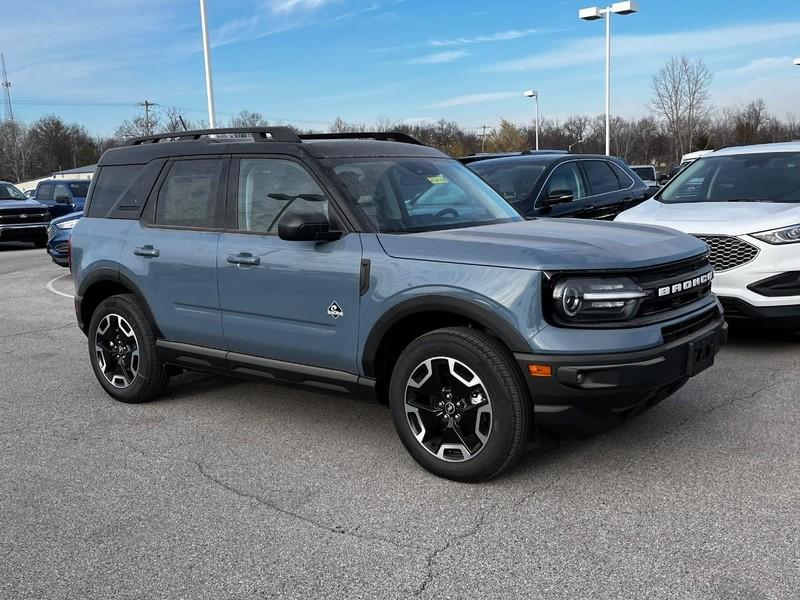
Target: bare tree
248,119
680,99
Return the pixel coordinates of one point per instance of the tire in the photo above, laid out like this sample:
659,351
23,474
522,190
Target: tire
120,332
459,404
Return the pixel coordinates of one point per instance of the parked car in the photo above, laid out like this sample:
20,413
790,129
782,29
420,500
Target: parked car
744,202
296,259
62,196
647,173
58,235
21,219
564,185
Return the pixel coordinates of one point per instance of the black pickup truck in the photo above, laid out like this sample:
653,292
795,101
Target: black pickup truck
22,219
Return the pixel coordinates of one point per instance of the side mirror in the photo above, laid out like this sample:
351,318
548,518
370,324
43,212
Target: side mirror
307,227
663,178
62,199
558,197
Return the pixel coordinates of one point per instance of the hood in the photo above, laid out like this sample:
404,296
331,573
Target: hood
68,217
548,244
724,218
17,204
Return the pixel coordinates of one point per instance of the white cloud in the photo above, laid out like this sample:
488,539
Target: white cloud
288,6
475,99
500,36
437,58
637,47
759,66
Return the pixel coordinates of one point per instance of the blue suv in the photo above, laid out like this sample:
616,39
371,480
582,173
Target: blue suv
309,260
62,196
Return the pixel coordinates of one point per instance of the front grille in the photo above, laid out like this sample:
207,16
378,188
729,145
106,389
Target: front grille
728,252
667,277
675,332
23,217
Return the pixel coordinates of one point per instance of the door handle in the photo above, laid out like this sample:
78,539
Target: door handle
244,258
147,251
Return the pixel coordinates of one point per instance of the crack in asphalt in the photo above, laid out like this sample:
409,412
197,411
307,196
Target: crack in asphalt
203,470
771,382
479,524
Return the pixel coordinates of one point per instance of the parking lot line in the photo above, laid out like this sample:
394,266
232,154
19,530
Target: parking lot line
50,287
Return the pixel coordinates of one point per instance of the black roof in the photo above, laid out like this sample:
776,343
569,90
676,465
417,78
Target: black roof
543,159
267,140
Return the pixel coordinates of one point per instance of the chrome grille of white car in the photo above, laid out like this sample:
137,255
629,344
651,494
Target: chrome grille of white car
729,252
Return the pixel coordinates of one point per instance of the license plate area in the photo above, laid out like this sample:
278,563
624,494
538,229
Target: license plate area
702,353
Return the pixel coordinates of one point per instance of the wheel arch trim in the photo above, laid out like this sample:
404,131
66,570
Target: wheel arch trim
468,309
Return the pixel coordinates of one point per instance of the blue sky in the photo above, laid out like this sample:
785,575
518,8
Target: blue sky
309,61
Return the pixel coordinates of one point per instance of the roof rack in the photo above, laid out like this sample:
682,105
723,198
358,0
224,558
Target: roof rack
259,134
381,136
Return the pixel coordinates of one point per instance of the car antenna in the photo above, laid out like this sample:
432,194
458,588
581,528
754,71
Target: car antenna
183,124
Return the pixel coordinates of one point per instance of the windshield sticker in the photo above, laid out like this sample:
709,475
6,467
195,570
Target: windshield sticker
438,180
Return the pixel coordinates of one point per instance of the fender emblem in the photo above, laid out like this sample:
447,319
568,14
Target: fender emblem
335,310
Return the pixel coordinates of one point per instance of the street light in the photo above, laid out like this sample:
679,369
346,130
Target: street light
797,62
212,117
576,142
535,94
593,14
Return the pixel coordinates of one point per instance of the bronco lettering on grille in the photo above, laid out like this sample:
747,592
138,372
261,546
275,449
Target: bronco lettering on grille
683,286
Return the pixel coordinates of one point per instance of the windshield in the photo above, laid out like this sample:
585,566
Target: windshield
79,189
514,180
402,195
646,173
9,192
768,177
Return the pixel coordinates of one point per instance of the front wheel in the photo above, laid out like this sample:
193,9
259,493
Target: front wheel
459,404
122,350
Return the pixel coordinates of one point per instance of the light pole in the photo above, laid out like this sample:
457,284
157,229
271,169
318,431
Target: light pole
212,117
797,62
592,14
578,141
535,95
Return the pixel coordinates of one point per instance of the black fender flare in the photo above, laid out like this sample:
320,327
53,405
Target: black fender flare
110,275
436,303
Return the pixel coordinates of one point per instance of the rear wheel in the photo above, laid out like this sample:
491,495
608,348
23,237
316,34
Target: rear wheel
459,404
123,352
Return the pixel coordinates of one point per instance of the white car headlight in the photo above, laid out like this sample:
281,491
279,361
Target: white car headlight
67,224
786,235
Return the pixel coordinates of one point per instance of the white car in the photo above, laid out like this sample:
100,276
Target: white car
744,202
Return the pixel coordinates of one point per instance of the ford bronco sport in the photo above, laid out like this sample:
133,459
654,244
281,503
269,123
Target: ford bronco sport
374,265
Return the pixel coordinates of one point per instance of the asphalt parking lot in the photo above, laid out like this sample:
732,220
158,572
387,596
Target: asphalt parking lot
231,489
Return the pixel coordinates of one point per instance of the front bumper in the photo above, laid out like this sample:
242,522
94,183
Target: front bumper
588,393
738,311
32,232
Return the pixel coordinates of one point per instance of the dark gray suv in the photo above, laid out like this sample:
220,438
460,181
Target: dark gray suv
373,265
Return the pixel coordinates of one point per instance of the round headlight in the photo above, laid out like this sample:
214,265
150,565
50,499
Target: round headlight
571,301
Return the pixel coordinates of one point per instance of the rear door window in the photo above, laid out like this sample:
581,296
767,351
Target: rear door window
602,179
190,195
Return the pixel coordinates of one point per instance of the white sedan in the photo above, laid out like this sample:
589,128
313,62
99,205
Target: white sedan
744,202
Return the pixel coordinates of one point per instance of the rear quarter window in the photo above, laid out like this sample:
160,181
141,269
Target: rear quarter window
120,191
